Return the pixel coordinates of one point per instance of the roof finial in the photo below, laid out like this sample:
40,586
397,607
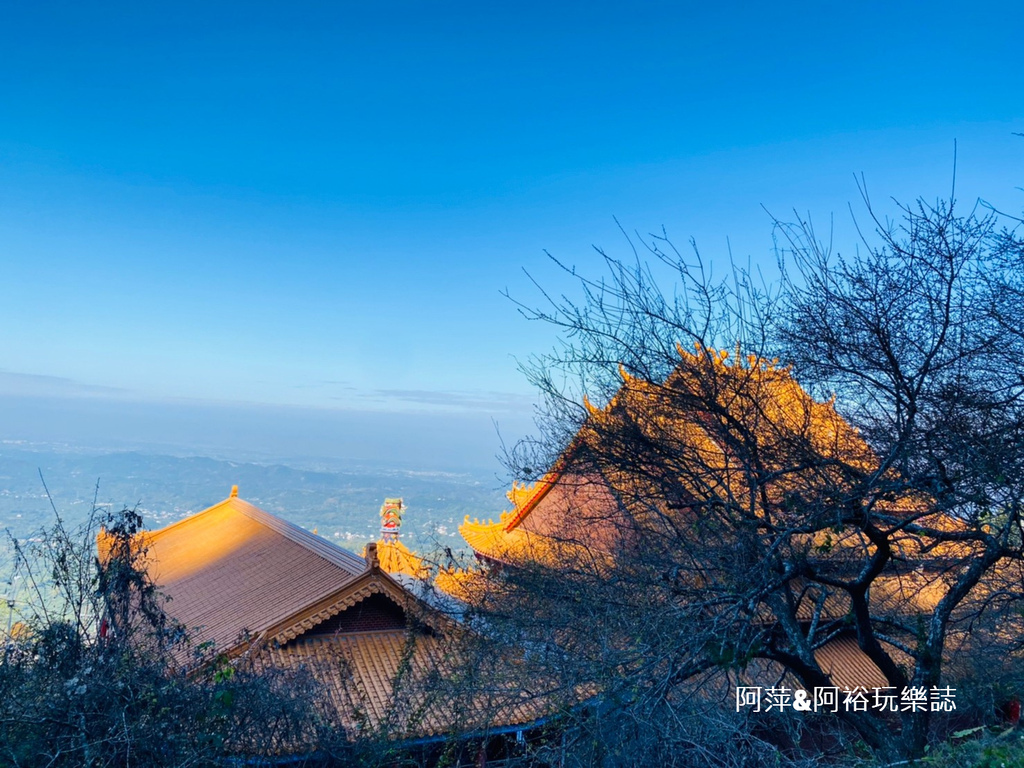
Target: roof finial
372,561
234,491
391,512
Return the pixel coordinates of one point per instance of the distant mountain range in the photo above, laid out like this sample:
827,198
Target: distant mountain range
339,500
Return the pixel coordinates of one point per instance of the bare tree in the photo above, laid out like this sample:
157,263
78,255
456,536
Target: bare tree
864,493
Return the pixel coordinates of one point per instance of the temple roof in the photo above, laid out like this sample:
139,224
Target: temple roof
249,581
358,672
234,569
494,541
597,490
396,558
603,488
848,666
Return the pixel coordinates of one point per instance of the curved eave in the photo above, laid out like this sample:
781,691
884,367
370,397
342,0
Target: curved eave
396,558
542,487
494,541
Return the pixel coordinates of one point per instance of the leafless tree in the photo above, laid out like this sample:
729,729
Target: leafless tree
837,456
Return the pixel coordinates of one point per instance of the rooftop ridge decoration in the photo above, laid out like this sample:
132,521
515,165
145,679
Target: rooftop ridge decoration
391,513
392,556
526,497
520,494
372,560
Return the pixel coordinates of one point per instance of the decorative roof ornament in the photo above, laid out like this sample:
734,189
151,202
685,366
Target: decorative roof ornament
391,512
372,556
520,494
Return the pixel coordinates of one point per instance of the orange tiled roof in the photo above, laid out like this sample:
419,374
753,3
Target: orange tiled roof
492,540
585,501
848,666
234,569
359,673
581,494
396,558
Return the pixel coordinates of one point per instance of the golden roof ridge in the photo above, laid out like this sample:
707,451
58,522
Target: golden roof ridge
329,551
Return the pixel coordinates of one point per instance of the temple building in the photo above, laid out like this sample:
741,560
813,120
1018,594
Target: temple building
648,454
244,582
249,583
590,507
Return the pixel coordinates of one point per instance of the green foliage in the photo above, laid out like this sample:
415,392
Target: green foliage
978,749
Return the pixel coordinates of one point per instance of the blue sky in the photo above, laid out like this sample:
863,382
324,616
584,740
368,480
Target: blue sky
319,205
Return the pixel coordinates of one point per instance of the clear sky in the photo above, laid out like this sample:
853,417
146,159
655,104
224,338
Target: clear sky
318,205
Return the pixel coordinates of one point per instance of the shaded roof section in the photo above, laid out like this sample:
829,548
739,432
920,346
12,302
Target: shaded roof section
410,685
234,569
841,658
563,510
848,666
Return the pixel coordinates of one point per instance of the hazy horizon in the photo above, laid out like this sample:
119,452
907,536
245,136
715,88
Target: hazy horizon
415,440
